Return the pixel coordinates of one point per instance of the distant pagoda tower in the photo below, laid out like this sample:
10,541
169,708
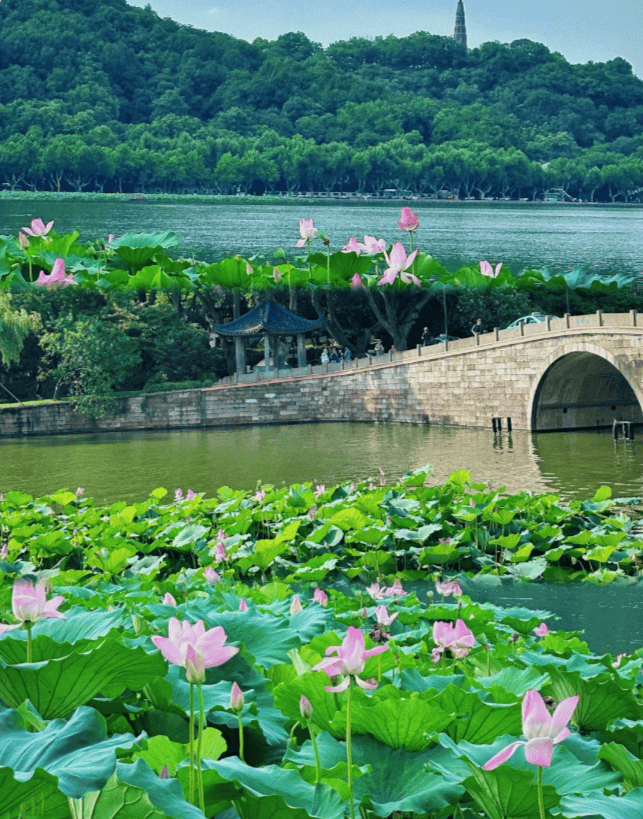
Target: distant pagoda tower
460,32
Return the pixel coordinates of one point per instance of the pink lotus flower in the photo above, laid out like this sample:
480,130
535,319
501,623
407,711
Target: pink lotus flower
448,587
541,729
190,495
237,699
194,648
7,627
305,707
4,552
618,659
178,495
243,606
169,600
353,246
276,275
459,640
398,262
211,576
395,590
542,630
259,495
57,277
350,661
383,617
320,596
38,227
29,603
487,270
23,240
372,246
376,591
356,282
295,606
80,492
110,238
408,220
306,231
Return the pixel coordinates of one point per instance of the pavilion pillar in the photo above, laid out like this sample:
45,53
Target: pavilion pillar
301,350
240,354
266,350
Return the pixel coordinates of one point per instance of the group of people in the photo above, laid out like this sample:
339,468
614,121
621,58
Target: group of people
334,356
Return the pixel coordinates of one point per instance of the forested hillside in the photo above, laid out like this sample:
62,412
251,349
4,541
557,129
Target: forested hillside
105,96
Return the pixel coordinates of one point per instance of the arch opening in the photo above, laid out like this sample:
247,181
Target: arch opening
582,390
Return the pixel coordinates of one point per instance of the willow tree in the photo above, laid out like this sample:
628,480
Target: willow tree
15,326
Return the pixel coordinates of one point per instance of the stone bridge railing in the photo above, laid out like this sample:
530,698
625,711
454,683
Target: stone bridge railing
598,322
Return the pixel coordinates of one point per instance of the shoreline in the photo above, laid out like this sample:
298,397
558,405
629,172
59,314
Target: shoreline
248,200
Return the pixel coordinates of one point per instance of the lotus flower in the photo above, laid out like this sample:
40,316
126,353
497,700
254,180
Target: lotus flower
110,238
372,245
398,262
383,617
408,220
243,606
448,587
353,246
395,590
295,605
320,489
487,270
178,495
168,600
542,630
39,228
356,282
376,591
259,495
57,277
350,660
306,231
211,576
320,596
29,603
237,699
194,648
541,729
458,639
190,495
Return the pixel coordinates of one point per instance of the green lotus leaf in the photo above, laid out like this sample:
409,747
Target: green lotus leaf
189,535
405,723
57,687
506,792
629,806
619,758
477,721
279,793
138,248
601,700
75,756
311,685
516,681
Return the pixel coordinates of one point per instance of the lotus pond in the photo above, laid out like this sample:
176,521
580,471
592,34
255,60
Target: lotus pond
117,704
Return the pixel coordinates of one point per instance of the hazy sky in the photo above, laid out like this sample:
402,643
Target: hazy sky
582,30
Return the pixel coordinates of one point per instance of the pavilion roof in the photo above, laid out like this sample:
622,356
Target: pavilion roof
269,318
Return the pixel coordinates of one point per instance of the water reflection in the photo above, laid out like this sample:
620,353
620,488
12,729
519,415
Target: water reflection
129,465
610,616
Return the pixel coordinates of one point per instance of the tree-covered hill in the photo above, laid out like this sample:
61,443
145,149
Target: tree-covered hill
108,96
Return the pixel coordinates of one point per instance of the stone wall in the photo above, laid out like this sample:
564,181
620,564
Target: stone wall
466,384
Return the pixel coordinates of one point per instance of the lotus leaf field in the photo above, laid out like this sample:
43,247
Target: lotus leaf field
115,617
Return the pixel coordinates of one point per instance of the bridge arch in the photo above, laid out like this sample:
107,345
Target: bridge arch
581,386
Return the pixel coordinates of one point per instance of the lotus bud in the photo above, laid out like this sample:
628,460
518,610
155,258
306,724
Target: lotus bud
211,576
80,492
295,606
320,596
178,495
169,600
4,552
243,606
542,630
305,707
236,698
190,495
194,666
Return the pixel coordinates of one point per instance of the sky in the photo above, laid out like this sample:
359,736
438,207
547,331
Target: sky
581,30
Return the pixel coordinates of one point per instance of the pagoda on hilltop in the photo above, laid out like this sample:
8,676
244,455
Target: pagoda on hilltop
460,31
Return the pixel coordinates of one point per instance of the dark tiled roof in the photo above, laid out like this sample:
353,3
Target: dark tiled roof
270,318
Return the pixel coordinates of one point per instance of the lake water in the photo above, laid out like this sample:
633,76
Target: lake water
601,239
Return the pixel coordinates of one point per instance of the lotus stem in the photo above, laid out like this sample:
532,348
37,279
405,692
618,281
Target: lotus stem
198,747
349,750
29,626
379,668
313,739
541,800
191,729
240,737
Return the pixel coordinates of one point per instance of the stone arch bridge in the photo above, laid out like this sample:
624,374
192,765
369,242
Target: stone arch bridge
571,373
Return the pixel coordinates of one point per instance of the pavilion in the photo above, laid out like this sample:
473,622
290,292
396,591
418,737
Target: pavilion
271,320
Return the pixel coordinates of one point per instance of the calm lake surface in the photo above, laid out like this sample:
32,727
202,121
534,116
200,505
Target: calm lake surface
601,239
